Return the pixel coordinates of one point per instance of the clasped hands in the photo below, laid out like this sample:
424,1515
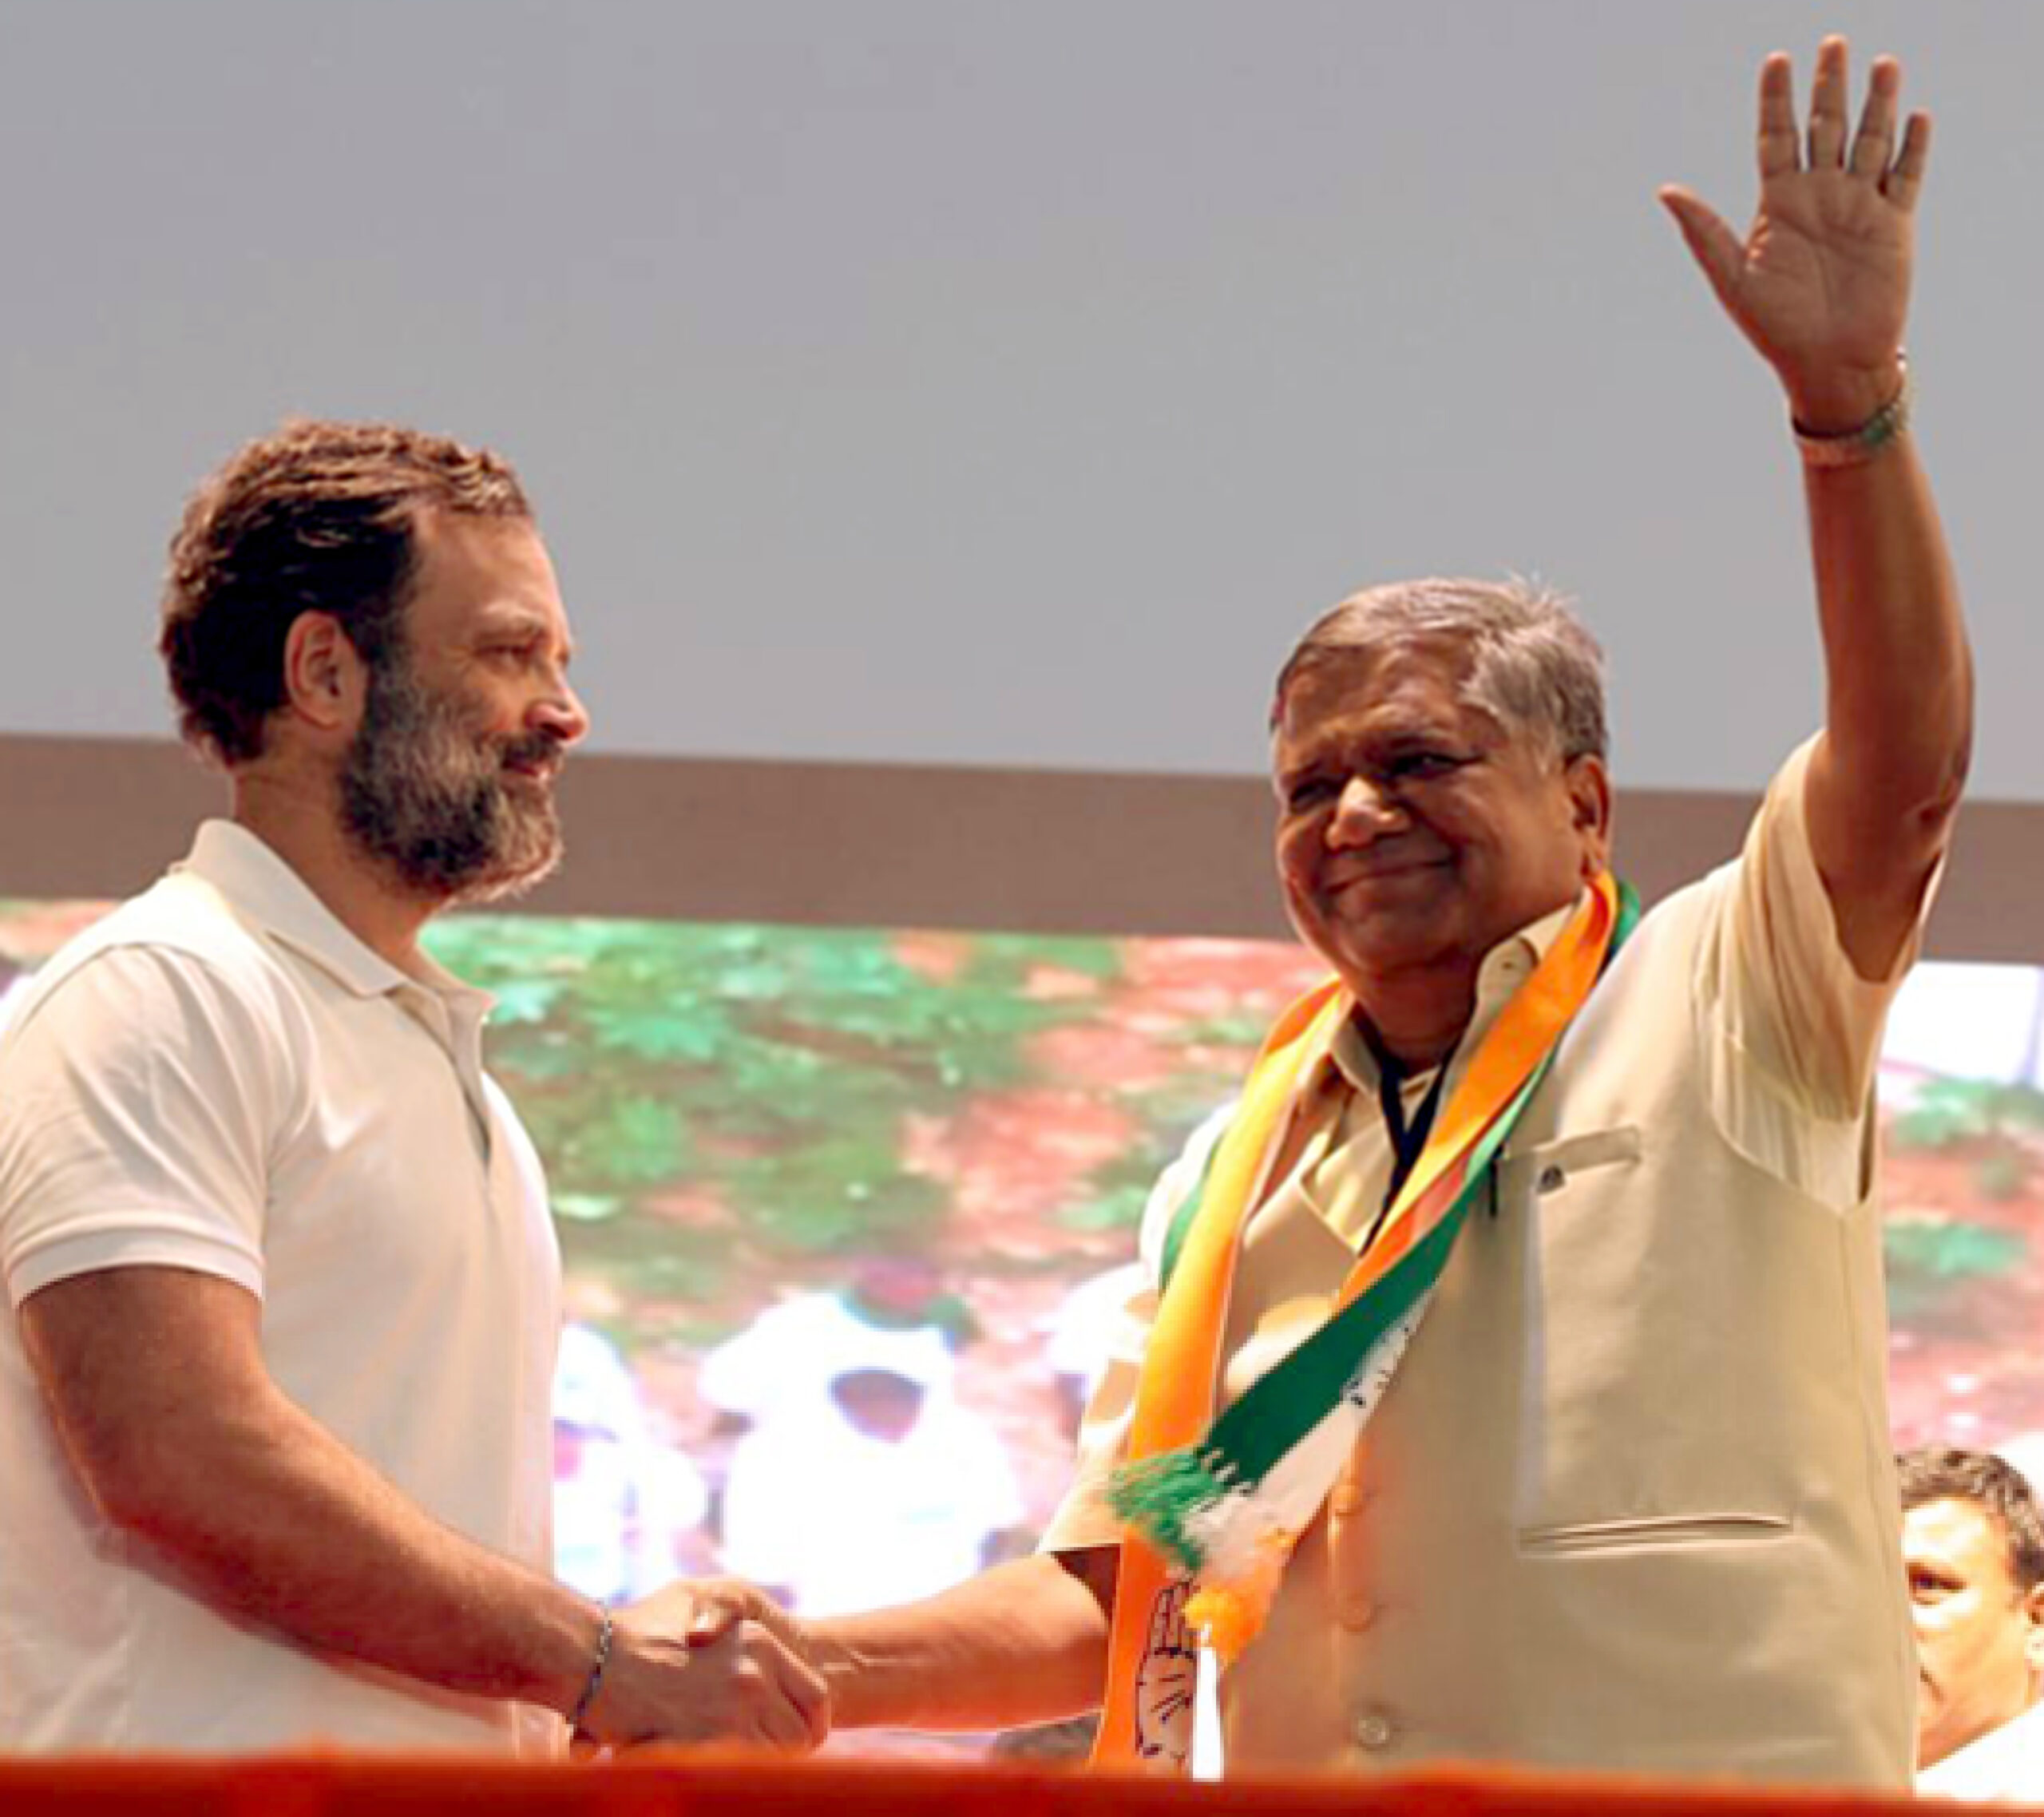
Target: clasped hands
705,1661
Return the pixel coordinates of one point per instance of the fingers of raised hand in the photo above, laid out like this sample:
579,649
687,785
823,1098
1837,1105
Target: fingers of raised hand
1899,175
1905,175
1831,106
1874,144
1871,154
1779,149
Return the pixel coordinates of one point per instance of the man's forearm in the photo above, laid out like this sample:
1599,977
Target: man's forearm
1884,785
1898,673
290,1525
183,1440
278,1520
1025,1643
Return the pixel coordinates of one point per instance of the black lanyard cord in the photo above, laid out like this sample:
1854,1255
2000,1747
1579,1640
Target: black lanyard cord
1408,1141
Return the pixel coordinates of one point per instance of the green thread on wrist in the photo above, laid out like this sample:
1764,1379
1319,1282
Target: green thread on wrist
1850,447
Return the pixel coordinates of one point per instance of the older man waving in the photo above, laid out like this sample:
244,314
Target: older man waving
1511,1386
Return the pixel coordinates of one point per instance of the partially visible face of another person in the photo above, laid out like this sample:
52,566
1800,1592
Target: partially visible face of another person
448,781
1415,831
877,1403
1978,1635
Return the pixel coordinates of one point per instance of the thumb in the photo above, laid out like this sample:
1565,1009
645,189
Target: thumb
719,1607
1711,241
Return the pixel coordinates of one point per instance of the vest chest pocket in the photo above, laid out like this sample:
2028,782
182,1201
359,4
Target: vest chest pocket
1531,1175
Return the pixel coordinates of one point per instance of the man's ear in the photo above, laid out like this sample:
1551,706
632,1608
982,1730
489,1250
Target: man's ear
2032,1639
325,678
1589,786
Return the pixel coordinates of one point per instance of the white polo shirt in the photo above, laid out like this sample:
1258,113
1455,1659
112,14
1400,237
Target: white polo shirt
2005,1765
218,1076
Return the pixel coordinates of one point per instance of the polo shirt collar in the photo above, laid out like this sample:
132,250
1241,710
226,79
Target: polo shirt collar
266,892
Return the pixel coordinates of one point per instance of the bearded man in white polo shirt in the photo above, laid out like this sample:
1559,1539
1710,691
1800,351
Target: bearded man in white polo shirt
283,1291
1515,1388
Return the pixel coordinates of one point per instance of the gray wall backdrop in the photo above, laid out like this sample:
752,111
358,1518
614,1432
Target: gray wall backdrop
937,381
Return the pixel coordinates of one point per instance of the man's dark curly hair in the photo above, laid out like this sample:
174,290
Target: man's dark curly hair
319,516
1946,1473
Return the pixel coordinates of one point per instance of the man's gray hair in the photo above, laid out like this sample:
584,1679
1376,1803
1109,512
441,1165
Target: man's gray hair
1534,667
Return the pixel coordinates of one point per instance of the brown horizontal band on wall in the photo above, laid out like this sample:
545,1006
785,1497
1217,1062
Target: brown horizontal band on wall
914,846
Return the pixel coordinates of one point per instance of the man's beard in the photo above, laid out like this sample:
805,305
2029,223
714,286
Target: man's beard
429,796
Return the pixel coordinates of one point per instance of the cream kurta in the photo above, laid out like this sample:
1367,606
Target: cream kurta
1629,1503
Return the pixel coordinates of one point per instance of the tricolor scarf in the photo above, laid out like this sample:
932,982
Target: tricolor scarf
1212,1508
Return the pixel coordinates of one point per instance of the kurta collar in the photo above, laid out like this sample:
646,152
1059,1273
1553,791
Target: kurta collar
1505,967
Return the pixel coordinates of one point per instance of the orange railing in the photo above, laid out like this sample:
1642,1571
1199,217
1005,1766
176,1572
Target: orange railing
702,1785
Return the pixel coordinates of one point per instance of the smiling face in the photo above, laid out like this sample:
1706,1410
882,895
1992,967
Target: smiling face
1978,1637
1415,831
448,779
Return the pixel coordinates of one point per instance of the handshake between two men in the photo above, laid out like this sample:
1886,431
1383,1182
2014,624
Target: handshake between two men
704,1661
1023,1643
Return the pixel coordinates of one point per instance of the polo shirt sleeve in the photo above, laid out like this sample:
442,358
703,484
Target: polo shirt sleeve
1789,1032
134,1103
1083,1519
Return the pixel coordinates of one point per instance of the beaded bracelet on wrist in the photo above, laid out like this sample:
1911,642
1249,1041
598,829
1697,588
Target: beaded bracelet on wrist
597,1665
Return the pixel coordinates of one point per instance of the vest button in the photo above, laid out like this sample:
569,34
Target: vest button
1357,1613
1552,1179
1347,1499
1373,1730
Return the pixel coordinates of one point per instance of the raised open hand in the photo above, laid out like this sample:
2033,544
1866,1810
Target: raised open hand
1819,284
